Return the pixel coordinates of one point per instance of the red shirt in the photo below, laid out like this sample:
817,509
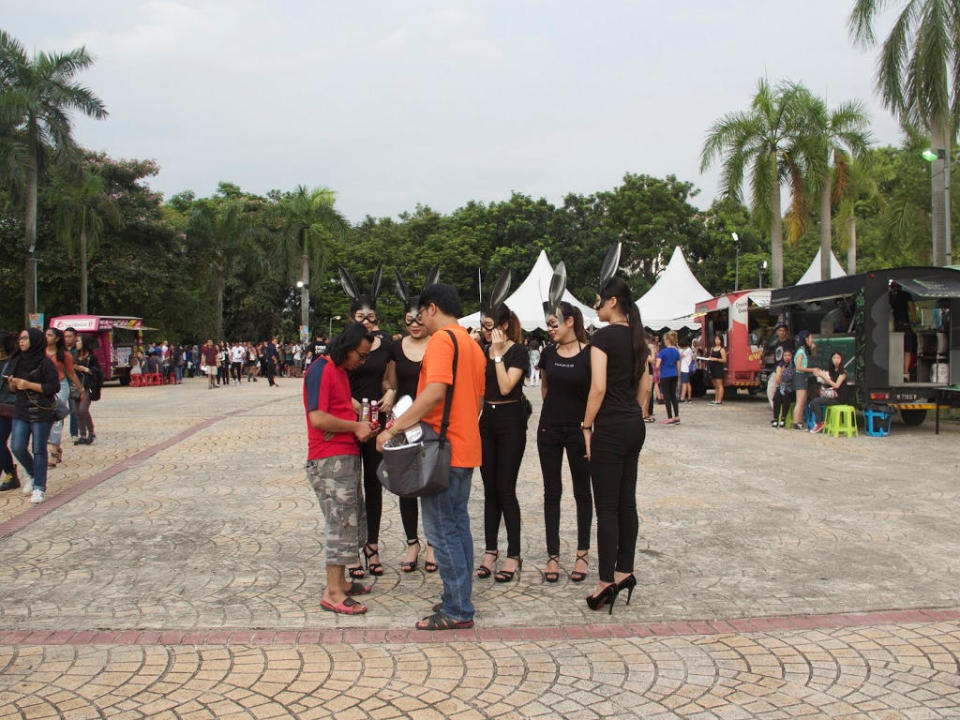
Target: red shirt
209,355
327,387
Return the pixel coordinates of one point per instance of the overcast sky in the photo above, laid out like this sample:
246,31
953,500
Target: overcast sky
396,102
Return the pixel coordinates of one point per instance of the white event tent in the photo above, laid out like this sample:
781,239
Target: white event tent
527,300
674,296
812,274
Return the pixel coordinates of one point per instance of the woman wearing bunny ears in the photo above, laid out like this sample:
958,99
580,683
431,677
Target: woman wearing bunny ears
371,381
407,358
503,431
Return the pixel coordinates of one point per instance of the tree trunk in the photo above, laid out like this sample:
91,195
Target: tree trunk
852,245
776,237
938,136
305,291
83,269
221,283
30,240
826,208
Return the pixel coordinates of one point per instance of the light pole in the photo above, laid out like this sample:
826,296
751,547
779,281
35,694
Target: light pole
736,246
761,267
330,326
931,156
304,307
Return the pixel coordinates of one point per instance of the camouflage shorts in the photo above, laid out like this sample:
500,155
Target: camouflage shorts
339,488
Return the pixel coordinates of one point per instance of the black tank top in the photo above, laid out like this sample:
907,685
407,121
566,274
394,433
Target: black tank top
408,372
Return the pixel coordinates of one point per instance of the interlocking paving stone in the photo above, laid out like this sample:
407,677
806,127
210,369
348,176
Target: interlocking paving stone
782,575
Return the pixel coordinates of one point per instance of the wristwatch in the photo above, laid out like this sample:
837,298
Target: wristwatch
498,358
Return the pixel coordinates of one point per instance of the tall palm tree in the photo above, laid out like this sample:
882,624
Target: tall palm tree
854,184
769,142
836,136
36,98
83,209
918,77
309,217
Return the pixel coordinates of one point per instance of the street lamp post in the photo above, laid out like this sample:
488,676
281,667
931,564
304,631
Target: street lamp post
761,268
736,246
931,156
330,326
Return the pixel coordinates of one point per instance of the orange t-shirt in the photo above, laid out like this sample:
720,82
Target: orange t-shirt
64,368
464,428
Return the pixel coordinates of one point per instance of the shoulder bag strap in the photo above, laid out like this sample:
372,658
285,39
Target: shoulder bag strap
449,399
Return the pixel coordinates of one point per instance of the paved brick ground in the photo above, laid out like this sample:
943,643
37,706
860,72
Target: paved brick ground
782,575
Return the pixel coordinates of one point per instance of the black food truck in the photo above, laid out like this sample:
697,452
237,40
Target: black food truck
898,331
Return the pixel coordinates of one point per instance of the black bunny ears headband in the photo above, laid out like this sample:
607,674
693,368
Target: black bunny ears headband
358,298
411,300
558,283
609,268
497,296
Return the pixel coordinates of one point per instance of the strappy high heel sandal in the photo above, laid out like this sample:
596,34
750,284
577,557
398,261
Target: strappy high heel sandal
429,565
411,565
356,571
505,576
576,575
552,576
483,571
374,568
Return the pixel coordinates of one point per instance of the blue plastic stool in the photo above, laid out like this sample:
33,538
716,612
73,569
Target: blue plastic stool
876,423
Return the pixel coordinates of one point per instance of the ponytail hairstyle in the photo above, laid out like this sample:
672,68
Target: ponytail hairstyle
513,332
618,288
61,344
571,311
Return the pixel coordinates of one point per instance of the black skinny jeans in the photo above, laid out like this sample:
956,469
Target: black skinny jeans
615,451
409,516
668,388
552,440
781,404
503,431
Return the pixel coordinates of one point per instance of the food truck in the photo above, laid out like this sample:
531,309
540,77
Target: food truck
118,338
889,360
743,318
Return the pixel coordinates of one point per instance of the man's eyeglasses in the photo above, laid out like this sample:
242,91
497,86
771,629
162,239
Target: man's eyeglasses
362,356
369,317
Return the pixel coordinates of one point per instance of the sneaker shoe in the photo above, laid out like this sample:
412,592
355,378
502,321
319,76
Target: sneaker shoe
773,423
28,486
36,497
10,482
817,428
783,423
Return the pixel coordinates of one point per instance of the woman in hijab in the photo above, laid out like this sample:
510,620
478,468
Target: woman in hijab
33,377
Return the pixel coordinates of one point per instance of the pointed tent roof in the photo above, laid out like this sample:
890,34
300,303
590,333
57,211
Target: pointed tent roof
527,300
672,299
812,274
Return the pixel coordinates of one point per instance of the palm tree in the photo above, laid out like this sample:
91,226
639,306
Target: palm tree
854,185
309,216
83,209
36,97
836,136
917,77
769,140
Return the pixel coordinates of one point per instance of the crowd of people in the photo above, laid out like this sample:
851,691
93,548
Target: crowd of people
595,391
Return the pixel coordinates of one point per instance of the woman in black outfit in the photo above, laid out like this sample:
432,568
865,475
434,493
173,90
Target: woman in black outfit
371,381
88,370
503,430
565,382
613,432
407,358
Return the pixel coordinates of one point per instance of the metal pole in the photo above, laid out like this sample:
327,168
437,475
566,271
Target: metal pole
329,329
946,207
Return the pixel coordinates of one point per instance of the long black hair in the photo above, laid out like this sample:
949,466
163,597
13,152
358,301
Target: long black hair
349,339
61,344
618,288
571,311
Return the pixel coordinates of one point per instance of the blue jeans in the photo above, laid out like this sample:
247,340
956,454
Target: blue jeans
35,465
6,459
447,525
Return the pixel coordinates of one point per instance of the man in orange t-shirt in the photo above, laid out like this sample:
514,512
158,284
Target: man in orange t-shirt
445,516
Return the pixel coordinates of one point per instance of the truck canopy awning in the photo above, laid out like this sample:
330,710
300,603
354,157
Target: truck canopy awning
941,287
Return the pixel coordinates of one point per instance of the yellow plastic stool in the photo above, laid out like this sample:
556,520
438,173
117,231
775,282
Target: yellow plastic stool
841,419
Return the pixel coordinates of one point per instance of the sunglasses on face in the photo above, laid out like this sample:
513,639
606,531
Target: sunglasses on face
553,325
369,317
487,327
414,320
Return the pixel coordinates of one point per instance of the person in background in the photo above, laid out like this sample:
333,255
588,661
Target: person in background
686,369
88,369
804,373
904,313
9,477
208,354
832,380
70,341
785,394
565,381
333,462
33,376
668,365
717,365
69,384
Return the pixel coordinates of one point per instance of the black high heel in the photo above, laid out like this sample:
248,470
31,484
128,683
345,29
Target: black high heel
609,593
628,584
505,576
368,552
411,565
576,575
483,571
552,577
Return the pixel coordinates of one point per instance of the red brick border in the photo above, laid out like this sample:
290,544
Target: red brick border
35,512
379,636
